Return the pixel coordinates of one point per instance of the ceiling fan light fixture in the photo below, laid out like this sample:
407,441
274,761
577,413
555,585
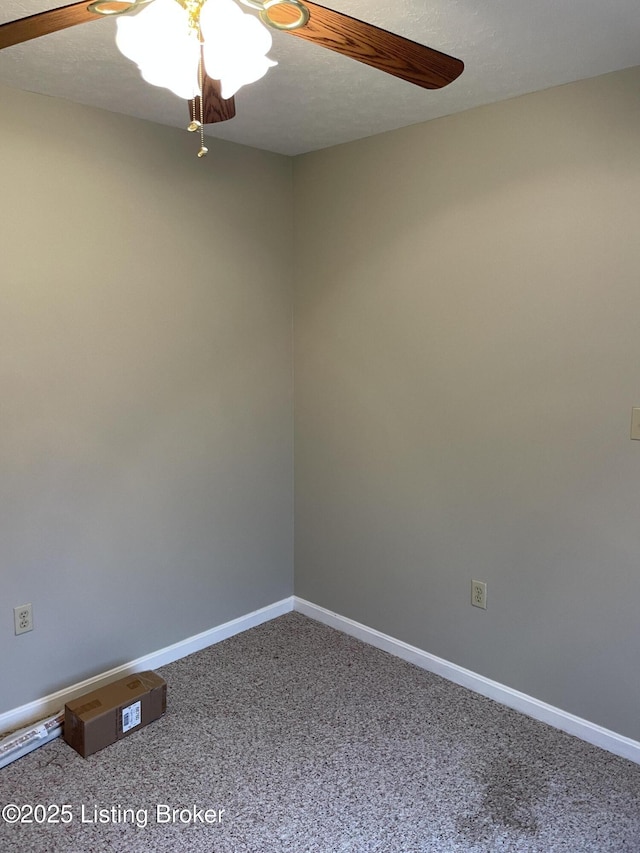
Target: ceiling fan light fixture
164,40
169,39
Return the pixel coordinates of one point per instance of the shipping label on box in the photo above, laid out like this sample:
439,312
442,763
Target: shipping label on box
114,711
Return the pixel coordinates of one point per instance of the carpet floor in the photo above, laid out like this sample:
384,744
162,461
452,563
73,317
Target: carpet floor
295,738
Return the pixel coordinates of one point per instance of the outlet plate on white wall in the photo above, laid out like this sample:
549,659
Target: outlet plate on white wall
479,594
23,618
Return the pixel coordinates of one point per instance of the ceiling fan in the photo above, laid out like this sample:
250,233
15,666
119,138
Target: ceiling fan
210,37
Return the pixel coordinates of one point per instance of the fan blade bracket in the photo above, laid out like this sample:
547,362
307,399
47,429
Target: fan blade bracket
112,8
296,15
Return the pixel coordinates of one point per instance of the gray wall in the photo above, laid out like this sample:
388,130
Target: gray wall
146,388
467,351
467,355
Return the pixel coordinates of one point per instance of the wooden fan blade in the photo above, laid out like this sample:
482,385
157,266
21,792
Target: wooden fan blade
215,107
367,43
43,23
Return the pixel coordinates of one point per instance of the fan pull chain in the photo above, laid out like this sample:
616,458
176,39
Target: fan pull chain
203,150
198,123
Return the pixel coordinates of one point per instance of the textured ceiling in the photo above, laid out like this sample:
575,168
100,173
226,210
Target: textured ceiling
315,98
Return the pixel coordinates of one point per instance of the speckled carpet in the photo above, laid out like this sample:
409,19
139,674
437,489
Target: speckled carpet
295,738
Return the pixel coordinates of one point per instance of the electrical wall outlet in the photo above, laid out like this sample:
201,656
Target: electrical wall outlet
23,618
479,594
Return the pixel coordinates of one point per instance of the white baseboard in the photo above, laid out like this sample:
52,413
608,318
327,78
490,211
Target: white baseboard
556,717
48,705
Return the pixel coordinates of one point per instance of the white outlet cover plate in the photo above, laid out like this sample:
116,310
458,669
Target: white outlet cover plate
23,618
479,594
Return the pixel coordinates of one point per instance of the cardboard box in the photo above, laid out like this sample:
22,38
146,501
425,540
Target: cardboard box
114,711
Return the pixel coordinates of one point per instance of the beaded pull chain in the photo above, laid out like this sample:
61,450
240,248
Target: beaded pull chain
199,124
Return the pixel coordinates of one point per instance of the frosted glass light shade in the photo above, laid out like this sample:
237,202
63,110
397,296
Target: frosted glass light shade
167,52
235,45
159,41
